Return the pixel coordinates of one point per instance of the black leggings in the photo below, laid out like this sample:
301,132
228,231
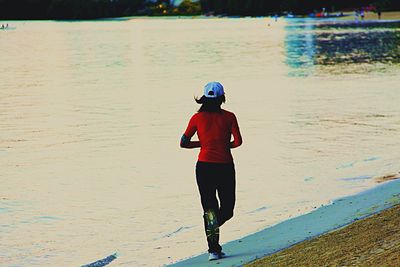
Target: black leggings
218,178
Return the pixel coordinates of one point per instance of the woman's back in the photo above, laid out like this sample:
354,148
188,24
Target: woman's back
214,130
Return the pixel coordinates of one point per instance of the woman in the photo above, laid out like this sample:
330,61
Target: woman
215,171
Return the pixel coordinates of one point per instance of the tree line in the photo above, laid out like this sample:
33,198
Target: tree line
67,9
267,7
92,9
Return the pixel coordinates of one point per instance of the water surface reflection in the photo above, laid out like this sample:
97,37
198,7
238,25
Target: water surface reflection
313,47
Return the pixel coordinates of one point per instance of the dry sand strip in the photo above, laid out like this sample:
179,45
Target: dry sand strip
338,214
373,241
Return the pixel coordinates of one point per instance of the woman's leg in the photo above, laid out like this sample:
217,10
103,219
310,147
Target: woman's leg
206,182
226,192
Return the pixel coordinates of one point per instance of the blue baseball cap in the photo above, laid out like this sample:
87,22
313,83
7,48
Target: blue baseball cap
213,90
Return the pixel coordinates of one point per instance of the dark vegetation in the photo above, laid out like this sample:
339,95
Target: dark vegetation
266,7
92,9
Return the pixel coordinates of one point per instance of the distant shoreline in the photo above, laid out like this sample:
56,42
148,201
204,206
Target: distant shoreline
388,15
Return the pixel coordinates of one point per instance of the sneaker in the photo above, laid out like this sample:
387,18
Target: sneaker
216,256
213,256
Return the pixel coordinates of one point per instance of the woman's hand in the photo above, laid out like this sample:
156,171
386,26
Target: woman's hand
186,143
236,143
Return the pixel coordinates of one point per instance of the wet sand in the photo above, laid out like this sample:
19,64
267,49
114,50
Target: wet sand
373,241
387,177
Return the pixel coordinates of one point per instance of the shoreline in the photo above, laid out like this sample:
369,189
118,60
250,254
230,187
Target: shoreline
340,213
349,16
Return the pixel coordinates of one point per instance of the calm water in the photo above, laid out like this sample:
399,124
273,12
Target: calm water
91,114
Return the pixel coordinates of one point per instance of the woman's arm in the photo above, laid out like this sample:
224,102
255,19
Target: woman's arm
237,137
190,131
186,143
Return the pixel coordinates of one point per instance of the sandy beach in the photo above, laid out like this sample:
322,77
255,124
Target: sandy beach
373,241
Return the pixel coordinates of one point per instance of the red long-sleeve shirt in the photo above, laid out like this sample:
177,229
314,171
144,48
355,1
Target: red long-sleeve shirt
214,130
